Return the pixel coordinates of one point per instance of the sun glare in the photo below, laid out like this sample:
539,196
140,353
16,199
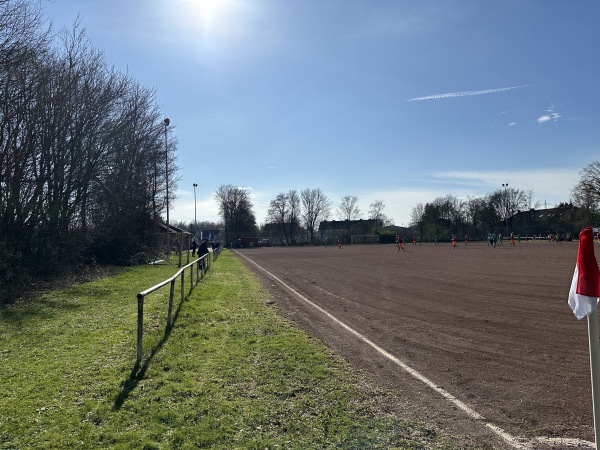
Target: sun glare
213,26
203,12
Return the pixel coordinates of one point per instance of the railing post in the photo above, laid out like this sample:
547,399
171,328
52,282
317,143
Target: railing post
191,277
171,295
140,327
180,248
183,286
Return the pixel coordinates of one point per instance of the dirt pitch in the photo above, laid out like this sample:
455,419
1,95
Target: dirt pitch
491,326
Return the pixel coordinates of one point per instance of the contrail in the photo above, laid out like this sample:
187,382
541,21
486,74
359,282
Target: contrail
465,93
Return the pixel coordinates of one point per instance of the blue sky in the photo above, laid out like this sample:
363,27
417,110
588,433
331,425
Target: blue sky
393,100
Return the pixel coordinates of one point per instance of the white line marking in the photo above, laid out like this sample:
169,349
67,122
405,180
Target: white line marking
569,442
517,443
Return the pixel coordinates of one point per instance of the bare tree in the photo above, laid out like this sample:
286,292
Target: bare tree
124,197
21,33
507,202
417,218
376,212
294,214
474,210
235,208
79,144
278,213
284,210
583,198
348,209
316,207
586,193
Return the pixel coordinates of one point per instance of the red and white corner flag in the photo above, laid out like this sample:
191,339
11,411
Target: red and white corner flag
585,287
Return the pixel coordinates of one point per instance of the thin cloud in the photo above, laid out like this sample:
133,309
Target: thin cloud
552,115
465,93
549,184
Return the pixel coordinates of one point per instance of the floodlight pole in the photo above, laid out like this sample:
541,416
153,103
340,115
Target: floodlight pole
195,220
166,122
505,186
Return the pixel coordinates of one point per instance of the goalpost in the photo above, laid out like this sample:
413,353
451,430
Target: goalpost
364,239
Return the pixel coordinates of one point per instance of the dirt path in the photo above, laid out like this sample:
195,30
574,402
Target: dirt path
489,326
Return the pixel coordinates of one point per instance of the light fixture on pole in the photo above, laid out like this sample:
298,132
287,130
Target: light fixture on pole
195,221
166,122
505,186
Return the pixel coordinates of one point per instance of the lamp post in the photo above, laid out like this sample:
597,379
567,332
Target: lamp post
505,186
195,221
166,122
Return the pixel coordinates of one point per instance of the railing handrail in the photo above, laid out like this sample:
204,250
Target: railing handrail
203,263
169,280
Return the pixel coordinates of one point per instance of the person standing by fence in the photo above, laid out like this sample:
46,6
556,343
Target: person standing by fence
203,249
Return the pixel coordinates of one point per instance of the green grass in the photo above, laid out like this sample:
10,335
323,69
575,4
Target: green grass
230,374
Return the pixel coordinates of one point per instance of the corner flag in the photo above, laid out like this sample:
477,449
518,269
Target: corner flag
585,287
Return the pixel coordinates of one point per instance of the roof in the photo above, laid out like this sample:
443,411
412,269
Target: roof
172,229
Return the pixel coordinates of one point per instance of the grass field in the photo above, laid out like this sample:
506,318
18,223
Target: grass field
231,374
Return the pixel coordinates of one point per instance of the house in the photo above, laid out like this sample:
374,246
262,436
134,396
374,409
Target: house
345,229
561,219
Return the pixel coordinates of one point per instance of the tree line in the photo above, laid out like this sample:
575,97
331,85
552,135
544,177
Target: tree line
439,219
83,153
500,211
295,213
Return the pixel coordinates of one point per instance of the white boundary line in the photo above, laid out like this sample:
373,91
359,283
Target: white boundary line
513,441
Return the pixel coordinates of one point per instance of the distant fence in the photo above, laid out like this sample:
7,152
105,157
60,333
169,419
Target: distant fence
216,252
199,267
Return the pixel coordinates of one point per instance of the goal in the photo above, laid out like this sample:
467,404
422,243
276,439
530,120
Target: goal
364,239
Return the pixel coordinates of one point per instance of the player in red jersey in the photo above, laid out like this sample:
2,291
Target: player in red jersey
400,242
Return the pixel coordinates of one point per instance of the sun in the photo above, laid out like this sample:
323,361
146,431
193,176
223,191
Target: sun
206,25
204,12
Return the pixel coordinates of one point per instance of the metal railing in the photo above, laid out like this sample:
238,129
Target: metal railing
217,252
201,264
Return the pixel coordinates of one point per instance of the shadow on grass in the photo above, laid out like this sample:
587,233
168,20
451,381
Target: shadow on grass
139,370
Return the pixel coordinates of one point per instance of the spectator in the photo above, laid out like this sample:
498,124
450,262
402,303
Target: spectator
203,249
